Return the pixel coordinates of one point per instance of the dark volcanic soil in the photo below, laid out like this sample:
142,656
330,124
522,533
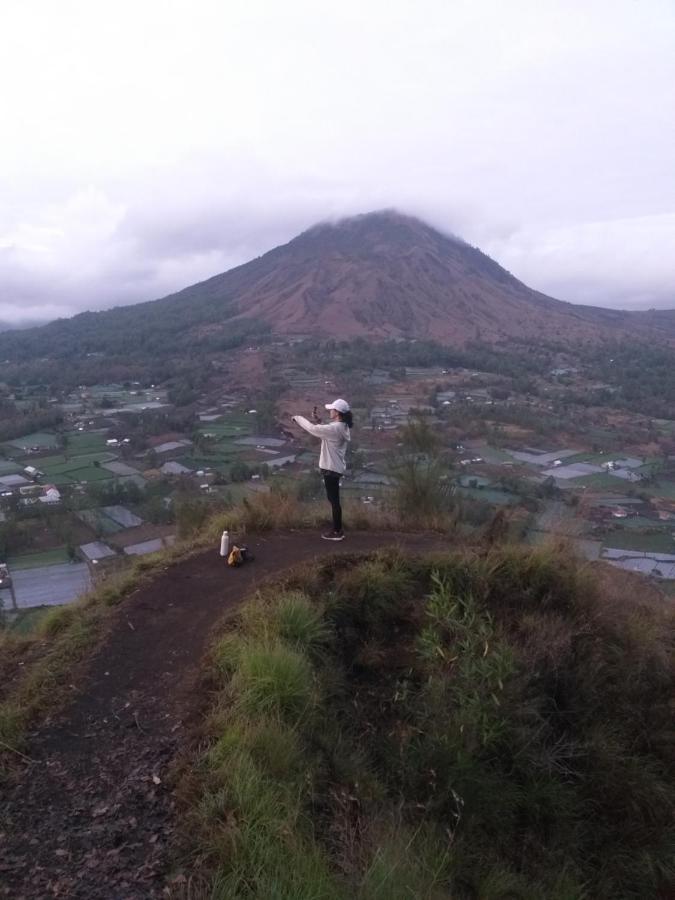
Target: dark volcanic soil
92,816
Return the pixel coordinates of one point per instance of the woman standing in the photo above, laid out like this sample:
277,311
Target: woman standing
335,438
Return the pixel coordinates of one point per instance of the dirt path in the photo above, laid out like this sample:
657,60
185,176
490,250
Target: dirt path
92,816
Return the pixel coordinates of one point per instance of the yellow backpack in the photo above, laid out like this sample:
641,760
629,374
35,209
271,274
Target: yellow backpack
235,558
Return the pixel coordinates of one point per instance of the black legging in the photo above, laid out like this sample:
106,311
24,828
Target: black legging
332,483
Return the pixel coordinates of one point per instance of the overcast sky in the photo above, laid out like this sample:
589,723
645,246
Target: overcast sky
147,145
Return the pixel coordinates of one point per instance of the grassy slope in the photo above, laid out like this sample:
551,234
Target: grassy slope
383,734
36,666
483,725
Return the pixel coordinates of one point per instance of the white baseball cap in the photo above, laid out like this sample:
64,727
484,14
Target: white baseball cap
340,405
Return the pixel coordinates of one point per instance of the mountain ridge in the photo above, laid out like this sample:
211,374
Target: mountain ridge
386,274
380,275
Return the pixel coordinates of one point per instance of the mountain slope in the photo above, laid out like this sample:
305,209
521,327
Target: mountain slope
380,275
388,275
661,320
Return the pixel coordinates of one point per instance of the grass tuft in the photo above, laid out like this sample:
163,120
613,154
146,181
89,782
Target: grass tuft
12,723
57,620
274,680
405,866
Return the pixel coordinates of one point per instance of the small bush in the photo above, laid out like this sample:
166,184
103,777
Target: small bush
405,866
253,819
227,653
276,748
12,723
273,679
272,511
272,745
374,591
289,616
544,579
421,491
57,619
301,623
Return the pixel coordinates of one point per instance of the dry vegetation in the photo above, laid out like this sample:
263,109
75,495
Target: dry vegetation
488,724
479,725
36,668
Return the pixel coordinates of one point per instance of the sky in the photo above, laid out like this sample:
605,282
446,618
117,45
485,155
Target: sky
147,145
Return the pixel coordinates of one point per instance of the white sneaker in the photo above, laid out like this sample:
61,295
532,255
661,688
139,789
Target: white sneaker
333,536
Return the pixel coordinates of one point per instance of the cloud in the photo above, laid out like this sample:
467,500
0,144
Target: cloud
624,263
183,139
94,251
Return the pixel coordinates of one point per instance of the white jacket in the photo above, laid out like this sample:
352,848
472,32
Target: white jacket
334,440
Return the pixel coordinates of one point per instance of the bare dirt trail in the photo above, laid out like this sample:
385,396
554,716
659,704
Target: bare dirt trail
93,815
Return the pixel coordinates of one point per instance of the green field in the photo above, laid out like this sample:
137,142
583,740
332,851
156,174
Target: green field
634,522
9,468
492,455
662,489
37,439
80,474
37,560
88,474
73,461
27,620
489,495
601,480
595,459
227,448
225,430
112,388
60,470
80,442
662,542
220,460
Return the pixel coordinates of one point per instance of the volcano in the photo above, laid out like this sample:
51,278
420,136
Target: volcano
388,275
379,275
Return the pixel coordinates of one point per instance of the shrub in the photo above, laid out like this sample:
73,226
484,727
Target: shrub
12,722
301,623
227,653
57,619
421,490
273,679
374,591
491,724
404,866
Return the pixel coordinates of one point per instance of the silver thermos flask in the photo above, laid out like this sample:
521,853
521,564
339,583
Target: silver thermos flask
225,544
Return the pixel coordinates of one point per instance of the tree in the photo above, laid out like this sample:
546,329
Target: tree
240,471
418,436
190,516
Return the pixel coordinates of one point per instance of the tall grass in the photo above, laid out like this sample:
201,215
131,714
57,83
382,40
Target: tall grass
273,679
481,725
290,617
422,491
67,634
63,637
